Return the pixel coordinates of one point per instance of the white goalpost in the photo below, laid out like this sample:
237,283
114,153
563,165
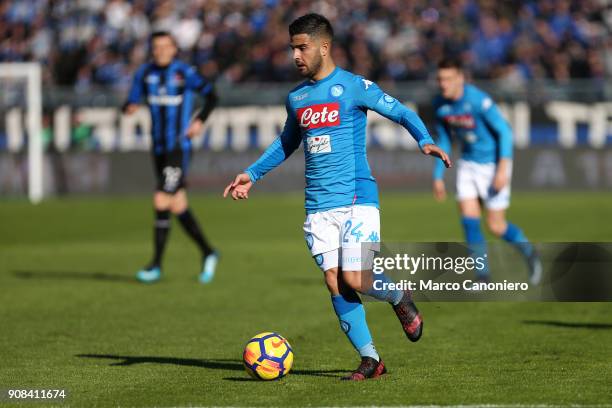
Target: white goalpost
30,72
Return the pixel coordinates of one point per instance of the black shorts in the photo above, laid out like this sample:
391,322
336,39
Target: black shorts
171,170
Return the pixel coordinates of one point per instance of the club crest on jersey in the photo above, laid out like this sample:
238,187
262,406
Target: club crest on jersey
179,80
318,144
317,116
336,90
444,109
470,137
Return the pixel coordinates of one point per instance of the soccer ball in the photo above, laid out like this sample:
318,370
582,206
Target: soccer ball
268,356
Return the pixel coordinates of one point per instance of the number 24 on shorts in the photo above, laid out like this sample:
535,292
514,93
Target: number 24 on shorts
356,232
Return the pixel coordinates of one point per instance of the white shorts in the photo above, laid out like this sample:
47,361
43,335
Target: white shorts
336,237
475,180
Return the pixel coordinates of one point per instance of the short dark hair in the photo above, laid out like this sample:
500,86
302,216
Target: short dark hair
158,34
315,25
451,62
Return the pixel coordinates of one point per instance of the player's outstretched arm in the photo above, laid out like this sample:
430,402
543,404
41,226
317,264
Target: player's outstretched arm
284,145
274,155
239,188
433,150
372,97
413,123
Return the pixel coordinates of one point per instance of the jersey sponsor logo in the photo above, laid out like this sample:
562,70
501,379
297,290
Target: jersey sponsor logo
318,144
465,121
165,100
321,115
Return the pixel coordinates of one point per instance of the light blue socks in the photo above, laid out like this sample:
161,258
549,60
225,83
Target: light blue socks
351,315
476,243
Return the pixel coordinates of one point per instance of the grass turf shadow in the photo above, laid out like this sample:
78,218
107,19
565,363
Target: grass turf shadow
212,364
570,325
72,275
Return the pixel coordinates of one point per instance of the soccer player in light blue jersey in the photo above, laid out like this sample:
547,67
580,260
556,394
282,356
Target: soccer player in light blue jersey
465,113
327,115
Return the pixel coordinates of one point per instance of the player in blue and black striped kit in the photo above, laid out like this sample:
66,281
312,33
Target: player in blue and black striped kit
327,114
168,87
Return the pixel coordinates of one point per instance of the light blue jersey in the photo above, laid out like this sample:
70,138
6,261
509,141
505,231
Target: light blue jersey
476,121
329,118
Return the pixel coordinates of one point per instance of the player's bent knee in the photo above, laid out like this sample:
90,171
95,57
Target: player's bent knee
161,201
497,227
178,203
178,208
470,208
352,279
332,273
331,280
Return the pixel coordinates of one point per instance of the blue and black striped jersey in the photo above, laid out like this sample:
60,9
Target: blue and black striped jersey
169,93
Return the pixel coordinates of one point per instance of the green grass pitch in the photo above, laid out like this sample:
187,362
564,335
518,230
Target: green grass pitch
72,317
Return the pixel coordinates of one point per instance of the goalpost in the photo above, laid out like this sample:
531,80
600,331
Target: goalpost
31,73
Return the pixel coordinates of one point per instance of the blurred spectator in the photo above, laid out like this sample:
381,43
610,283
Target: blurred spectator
97,42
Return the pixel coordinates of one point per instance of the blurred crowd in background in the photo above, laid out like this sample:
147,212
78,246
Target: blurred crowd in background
84,43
